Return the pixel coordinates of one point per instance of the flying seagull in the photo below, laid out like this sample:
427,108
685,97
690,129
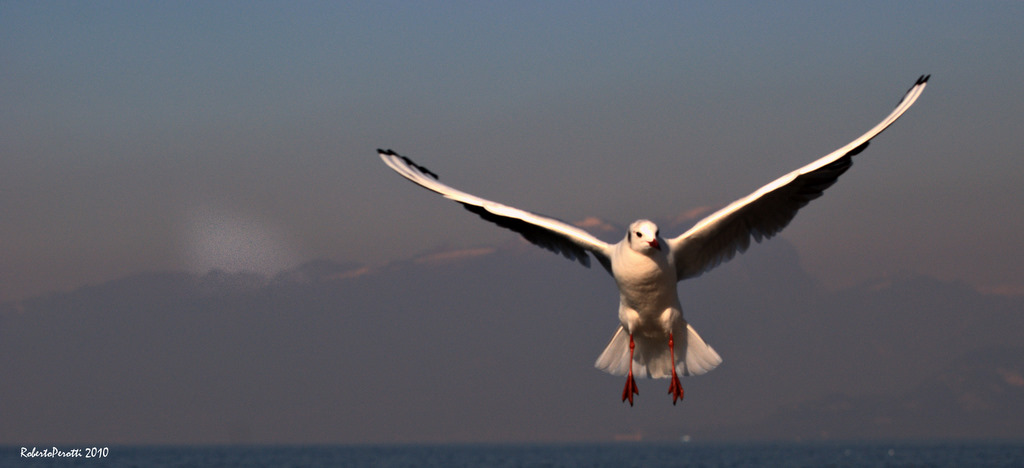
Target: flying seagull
653,340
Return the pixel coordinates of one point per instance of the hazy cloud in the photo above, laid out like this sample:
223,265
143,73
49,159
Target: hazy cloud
214,238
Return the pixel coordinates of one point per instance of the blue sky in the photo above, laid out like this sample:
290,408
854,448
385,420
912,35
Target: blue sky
138,136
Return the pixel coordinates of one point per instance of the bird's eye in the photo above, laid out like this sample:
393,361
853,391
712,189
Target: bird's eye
639,234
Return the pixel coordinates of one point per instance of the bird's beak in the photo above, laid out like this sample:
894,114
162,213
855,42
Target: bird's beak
654,243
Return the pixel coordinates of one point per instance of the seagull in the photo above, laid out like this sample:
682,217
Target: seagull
653,339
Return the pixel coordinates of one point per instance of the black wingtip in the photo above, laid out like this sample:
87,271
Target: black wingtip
408,162
920,80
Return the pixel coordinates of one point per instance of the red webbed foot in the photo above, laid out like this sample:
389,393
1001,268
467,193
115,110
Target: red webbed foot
675,388
630,389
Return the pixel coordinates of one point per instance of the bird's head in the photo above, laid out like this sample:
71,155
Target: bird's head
643,236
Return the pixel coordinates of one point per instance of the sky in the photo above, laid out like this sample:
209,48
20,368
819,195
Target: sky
148,136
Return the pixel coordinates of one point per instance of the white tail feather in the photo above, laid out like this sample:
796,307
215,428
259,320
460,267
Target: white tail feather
651,357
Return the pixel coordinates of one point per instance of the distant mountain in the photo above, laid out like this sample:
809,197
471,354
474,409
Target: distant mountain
980,395
320,270
498,344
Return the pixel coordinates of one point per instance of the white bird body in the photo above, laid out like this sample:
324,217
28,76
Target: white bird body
647,267
651,316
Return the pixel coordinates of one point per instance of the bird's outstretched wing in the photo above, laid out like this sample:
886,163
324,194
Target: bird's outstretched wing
549,233
764,213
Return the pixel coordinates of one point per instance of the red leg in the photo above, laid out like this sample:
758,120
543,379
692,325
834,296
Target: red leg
675,388
631,389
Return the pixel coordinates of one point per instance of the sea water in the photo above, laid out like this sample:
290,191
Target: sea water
725,455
